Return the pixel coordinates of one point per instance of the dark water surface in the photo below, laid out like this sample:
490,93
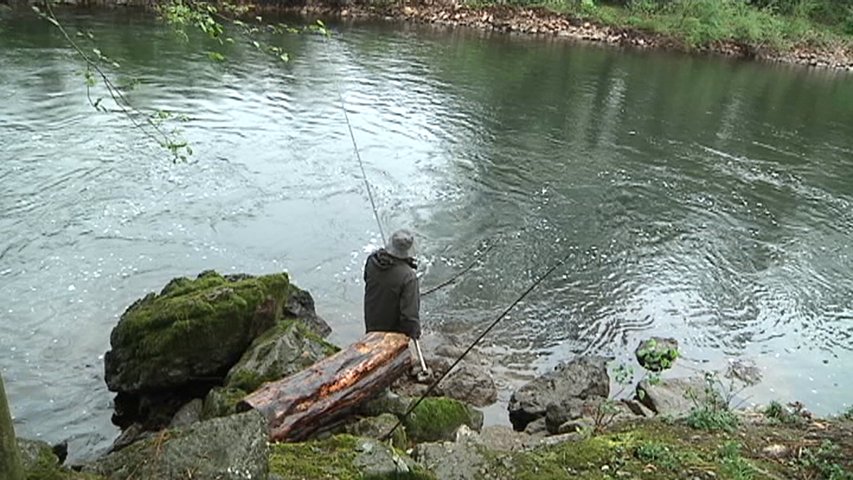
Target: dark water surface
700,198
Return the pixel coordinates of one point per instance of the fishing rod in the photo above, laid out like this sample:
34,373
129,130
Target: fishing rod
475,342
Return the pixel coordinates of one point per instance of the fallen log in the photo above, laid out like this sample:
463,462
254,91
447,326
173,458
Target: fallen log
300,404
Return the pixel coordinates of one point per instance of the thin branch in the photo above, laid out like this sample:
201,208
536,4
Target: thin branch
118,97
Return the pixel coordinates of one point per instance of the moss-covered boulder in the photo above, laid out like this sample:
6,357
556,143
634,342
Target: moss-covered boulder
342,457
41,463
438,418
192,329
283,350
171,347
229,448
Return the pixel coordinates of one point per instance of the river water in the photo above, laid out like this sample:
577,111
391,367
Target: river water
699,198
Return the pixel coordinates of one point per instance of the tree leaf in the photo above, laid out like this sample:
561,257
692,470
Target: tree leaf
284,57
216,56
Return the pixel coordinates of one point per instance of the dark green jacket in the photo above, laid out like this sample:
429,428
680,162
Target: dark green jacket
392,298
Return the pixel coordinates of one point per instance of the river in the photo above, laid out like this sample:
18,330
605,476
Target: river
700,198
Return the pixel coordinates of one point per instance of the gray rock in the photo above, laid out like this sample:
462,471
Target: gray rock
657,353
672,397
128,436
188,414
538,426
285,349
386,402
229,448
221,401
638,408
451,460
300,305
377,428
471,384
582,378
375,459
569,410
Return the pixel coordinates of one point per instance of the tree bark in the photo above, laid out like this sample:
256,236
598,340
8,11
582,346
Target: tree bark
10,456
302,403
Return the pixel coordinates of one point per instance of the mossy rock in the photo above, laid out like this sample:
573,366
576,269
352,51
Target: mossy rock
193,329
657,354
438,418
342,457
285,349
377,428
40,463
221,402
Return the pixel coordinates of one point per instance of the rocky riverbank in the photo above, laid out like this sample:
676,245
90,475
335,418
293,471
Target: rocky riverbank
182,360
545,22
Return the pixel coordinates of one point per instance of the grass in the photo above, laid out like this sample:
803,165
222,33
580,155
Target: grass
712,419
702,23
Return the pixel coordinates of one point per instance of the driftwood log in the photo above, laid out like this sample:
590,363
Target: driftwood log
300,404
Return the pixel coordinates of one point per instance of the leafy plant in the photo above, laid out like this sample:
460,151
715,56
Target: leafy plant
778,413
656,357
824,462
712,408
733,464
659,454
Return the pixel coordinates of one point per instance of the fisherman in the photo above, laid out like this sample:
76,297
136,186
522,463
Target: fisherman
391,291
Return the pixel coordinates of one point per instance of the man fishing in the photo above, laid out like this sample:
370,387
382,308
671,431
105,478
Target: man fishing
391,290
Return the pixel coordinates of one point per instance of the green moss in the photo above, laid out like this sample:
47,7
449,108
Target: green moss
42,464
309,347
207,321
437,419
220,402
648,450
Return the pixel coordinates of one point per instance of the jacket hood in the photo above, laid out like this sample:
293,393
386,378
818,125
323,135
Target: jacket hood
384,260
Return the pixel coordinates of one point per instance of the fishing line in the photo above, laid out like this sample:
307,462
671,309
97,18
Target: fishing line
357,153
476,341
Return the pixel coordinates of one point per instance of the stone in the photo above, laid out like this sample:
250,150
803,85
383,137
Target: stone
171,347
657,354
39,461
192,329
188,414
776,451
582,378
438,418
229,448
300,304
558,414
538,426
673,397
452,461
638,408
471,384
377,427
385,402
281,351
221,401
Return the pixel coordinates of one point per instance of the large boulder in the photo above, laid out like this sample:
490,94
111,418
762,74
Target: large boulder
192,329
283,350
229,448
583,378
171,347
377,428
40,461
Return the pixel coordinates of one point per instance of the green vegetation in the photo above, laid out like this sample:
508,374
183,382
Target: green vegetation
848,414
437,418
648,450
825,462
775,24
332,458
778,413
656,356
712,419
